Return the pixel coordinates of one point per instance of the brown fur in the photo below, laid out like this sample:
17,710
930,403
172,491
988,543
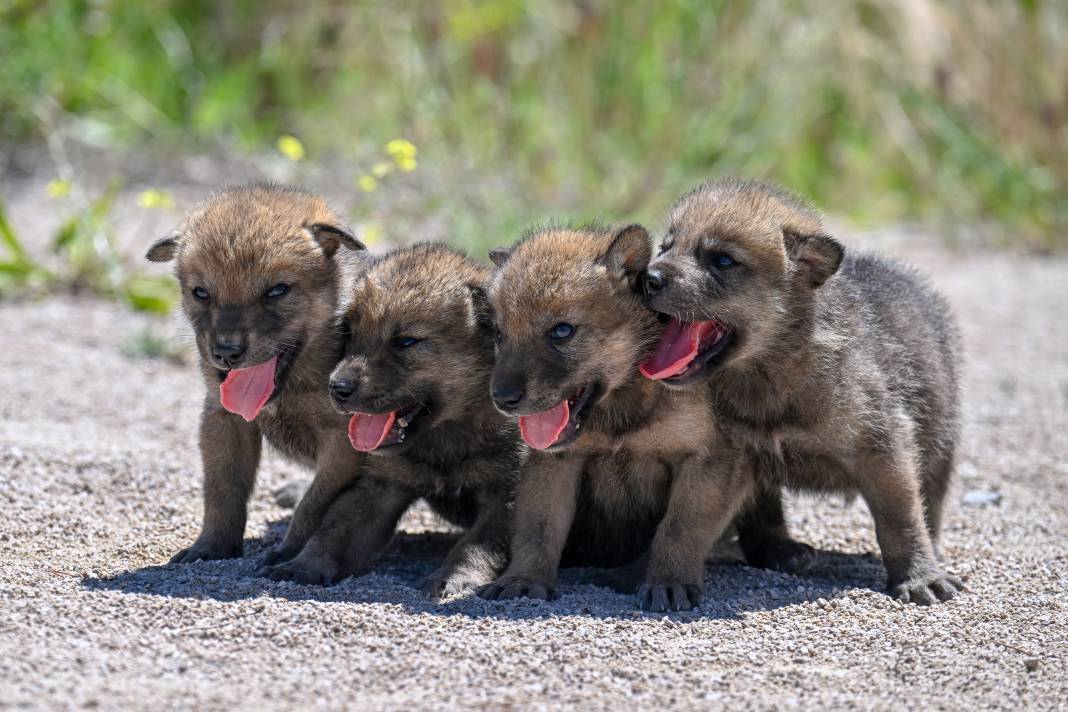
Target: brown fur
459,453
841,375
237,245
637,469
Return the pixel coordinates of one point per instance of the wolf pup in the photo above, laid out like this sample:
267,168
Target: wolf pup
617,461
415,379
828,372
260,267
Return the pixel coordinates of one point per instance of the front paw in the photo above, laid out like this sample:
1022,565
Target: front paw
927,588
208,551
306,570
508,587
666,597
278,556
289,495
445,583
784,555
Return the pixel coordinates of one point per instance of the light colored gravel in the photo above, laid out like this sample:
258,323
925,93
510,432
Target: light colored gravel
99,485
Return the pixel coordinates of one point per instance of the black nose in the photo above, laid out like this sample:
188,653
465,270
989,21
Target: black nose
227,352
653,282
341,389
507,396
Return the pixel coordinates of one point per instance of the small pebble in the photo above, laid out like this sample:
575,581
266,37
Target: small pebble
980,498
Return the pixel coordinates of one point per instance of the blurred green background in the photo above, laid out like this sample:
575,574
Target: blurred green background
949,113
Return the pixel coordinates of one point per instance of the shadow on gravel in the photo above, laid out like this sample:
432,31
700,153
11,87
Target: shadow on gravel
732,588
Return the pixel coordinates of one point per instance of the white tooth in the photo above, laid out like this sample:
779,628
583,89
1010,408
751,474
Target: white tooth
402,422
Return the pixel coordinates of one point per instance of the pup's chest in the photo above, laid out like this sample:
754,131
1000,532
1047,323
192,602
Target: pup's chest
634,472
446,471
680,428
617,481
293,425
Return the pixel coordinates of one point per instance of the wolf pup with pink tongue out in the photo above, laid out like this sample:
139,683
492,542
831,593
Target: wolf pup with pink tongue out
260,268
617,460
828,371
415,379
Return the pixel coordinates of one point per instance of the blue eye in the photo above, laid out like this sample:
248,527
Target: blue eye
277,290
403,342
200,293
563,330
724,260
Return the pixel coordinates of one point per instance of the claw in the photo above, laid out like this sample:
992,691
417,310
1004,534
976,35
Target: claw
206,552
506,589
665,598
928,589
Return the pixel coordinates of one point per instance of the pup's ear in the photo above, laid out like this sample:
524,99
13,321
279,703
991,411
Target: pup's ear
331,237
482,311
819,255
499,255
629,253
481,307
165,248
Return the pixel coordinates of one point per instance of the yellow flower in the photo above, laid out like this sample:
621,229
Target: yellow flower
405,163
401,147
58,188
154,198
381,169
367,183
370,235
291,147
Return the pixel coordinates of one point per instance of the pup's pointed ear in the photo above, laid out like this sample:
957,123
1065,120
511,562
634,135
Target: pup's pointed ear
482,311
165,248
480,303
629,253
331,237
499,255
819,255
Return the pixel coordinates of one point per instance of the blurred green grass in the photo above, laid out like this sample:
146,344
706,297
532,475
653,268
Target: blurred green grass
950,112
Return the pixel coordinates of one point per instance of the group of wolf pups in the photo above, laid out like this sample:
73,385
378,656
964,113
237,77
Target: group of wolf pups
584,403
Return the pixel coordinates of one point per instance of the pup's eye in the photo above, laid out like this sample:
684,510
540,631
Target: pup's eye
403,342
723,260
562,331
200,293
665,246
277,290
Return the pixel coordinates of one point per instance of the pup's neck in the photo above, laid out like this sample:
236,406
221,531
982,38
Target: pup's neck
763,390
627,408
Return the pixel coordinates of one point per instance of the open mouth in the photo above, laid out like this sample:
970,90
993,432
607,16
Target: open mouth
560,424
371,431
685,349
246,390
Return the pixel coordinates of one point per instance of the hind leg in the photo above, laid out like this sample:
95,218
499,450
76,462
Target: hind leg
893,490
764,539
935,486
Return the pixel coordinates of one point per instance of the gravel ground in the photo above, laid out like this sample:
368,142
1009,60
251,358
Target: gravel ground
99,478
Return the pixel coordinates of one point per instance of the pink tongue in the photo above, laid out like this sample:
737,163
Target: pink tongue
367,431
246,390
542,429
679,344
